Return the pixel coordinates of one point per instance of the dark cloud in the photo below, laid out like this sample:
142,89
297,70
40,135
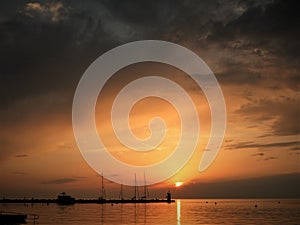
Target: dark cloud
41,56
295,148
60,181
263,38
172,20
46,45
10,148
270,26
270,158
258,154
262,154
235,73
284,111
243,145
21,155
19,173
277,186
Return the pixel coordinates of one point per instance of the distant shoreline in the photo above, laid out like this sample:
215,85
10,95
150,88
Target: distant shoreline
116,201
86,201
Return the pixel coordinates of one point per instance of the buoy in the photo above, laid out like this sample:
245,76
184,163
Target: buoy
255,206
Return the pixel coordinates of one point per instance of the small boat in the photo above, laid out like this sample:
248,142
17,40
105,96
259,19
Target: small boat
12,218
64,199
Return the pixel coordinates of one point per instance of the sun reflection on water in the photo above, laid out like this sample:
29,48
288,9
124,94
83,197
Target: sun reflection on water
178,211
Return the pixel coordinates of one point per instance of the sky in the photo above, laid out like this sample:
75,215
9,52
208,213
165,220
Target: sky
252,48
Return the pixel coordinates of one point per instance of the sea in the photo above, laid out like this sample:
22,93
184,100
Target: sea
183,211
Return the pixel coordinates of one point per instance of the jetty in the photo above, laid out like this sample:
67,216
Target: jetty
64,199
86,201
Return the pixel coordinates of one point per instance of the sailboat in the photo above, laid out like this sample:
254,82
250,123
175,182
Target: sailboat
102,199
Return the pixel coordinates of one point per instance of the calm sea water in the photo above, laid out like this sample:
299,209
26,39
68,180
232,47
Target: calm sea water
228,211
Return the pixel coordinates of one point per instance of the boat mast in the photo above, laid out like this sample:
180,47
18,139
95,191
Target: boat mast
121,193
102,188
146,192
135,186
145,187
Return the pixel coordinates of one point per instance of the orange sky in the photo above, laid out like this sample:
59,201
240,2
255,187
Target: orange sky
50,158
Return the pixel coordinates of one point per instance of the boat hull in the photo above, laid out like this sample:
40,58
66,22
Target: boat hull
13,218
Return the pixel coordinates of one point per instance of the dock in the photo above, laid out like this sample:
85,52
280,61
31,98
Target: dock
87,201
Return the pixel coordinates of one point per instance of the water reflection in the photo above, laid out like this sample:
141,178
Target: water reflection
178,211
145,213
135,213
239,211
